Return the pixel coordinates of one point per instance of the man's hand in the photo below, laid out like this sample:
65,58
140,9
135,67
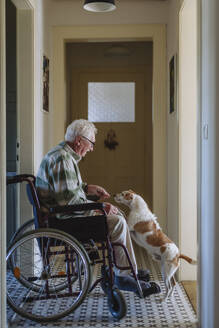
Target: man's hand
98,191
110,209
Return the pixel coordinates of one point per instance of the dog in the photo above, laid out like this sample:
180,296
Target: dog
147,233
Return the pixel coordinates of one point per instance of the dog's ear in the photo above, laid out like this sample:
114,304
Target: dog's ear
129,195
130,190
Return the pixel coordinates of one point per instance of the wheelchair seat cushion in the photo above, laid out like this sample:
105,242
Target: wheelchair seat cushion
82,228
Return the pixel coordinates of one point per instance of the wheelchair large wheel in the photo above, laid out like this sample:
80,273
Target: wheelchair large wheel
116,303
43,260
27,226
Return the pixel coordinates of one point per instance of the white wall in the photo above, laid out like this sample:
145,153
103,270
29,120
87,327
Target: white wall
181,140
172,128
41,118
208,202
188,108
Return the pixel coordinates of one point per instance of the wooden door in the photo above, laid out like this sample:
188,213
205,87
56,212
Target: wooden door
129,165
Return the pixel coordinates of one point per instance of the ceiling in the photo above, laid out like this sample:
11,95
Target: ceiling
117,1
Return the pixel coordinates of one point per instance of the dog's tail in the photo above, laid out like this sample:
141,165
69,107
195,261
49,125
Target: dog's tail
188,259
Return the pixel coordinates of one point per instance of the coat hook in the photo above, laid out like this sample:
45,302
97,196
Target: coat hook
110,141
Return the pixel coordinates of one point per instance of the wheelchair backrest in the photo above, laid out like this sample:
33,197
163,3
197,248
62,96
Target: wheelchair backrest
31,193
30,198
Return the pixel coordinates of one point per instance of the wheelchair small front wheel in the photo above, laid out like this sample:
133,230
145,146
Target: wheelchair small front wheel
117,304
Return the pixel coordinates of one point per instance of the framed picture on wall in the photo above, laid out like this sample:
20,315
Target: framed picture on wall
46,83
172,84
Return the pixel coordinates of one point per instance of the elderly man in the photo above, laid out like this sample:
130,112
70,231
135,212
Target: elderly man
59,182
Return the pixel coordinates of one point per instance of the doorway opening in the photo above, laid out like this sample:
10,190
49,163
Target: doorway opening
19,107
111,84
156,33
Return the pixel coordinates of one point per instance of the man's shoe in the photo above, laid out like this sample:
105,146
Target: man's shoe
151,288
143,275
129,283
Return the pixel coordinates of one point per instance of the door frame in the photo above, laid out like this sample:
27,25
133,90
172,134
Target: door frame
188,137
108,33
25,100
3,163
25,39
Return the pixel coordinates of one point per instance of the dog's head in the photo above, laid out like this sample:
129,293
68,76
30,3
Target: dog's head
125,197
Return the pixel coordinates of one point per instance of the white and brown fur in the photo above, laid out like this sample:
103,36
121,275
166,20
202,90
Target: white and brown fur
146,232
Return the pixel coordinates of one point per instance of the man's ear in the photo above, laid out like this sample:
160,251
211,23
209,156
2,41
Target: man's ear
77,139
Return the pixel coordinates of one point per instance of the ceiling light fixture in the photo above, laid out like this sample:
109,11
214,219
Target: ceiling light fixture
99,5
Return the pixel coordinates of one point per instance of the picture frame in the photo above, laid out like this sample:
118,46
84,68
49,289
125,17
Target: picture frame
45,83
172,85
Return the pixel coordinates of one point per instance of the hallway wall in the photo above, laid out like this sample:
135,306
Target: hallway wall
60,13
66,13
55,12
209,165
51,13
41,117
172,128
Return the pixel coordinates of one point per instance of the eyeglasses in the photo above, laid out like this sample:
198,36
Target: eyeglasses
93,143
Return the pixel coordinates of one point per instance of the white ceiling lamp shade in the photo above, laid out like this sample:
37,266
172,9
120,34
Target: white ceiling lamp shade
99,5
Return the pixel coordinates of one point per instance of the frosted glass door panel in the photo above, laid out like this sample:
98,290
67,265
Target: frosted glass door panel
111,102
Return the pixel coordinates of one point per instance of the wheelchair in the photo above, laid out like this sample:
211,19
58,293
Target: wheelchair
50,260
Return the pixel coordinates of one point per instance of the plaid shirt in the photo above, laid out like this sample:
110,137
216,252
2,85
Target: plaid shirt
58,179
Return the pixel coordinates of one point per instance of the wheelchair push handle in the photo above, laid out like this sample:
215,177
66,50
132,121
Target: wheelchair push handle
20,178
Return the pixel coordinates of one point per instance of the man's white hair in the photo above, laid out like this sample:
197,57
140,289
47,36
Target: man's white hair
80,128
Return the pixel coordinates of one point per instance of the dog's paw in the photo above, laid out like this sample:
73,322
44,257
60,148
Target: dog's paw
162,298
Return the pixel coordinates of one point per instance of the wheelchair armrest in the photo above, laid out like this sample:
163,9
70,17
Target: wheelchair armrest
78,207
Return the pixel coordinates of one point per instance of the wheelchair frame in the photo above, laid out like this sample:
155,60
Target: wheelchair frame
34,259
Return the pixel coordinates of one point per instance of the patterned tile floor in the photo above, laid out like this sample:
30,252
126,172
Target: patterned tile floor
149,312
